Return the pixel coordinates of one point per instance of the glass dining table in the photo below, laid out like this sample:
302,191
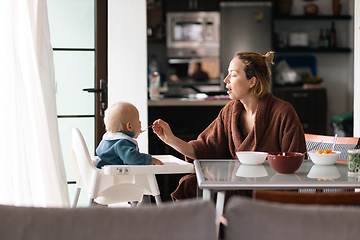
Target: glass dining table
219,175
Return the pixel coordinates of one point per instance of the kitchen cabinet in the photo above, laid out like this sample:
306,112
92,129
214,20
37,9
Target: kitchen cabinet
186,122
310,106
155,23
192,5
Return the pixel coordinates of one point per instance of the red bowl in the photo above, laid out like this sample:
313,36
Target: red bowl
285,162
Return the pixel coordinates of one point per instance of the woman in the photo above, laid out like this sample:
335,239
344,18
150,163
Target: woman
254,121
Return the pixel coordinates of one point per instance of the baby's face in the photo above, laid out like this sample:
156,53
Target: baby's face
136,124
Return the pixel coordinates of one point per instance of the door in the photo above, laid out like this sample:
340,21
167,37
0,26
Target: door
78,31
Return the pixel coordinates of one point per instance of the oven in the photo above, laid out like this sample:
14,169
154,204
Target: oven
193,51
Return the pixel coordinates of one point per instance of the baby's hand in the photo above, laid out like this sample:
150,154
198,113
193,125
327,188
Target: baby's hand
156,161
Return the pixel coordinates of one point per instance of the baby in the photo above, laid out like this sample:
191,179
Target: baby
118,145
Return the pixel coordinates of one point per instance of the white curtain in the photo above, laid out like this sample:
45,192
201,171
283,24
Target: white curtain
32,171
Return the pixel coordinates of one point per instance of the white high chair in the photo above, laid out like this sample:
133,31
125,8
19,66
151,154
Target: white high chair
110,185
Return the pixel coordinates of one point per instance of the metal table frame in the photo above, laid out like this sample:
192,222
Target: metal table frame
219,175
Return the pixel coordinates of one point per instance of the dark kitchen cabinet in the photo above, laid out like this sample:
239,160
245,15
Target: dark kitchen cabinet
186,122
309,104
155,23
192,5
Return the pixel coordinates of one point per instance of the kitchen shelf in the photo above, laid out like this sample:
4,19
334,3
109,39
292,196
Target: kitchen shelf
312,17
314,50
301,18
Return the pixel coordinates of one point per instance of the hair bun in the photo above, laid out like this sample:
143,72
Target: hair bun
269,57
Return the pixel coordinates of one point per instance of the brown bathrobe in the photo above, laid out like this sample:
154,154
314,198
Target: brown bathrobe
277,128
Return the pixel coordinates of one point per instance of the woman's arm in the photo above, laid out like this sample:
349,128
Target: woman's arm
163,131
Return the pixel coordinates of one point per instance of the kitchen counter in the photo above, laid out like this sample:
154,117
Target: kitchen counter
183,102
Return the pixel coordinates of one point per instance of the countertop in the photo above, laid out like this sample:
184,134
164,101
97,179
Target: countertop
187,102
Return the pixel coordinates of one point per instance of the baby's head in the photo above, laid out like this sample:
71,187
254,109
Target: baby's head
124,117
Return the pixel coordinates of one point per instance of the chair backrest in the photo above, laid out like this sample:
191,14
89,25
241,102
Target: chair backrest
255,219
84,169
343,144
189,219
323,198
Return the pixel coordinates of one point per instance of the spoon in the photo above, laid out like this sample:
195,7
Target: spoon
147,128
314,146
332,149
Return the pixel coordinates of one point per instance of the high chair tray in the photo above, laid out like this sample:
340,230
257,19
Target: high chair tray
172,165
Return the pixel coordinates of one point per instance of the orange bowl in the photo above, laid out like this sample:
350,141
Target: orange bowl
285,162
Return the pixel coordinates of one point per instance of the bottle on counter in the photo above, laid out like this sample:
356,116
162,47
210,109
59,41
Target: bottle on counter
153,65
154,88
154,78
333,36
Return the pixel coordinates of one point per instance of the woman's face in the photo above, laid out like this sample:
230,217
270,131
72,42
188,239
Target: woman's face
236,82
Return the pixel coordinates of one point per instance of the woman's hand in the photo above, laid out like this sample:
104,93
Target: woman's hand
163,131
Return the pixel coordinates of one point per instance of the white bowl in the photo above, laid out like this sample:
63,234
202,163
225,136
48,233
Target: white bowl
251,158
325,172
251,171
324,159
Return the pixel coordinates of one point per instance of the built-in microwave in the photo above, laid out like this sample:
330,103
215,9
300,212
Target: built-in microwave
193,34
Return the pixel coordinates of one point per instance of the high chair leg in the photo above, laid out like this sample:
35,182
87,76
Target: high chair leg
158,200
76,197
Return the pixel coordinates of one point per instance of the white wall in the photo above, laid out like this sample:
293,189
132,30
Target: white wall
356,69
127,57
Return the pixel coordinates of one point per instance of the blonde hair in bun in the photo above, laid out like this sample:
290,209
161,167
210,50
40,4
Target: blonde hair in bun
256,65
269,57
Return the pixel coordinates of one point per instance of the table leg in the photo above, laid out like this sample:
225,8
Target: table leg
220,202
206,194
